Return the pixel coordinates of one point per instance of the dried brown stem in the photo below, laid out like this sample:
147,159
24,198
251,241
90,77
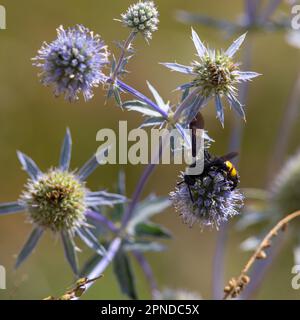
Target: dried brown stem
77,291
236,285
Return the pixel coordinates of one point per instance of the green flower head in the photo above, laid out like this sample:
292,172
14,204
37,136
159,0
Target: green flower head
142,17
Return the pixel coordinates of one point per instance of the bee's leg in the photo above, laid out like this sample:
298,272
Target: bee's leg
212,178
207,156
235,184
189,188
190,192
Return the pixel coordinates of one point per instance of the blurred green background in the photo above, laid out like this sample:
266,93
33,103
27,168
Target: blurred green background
33,121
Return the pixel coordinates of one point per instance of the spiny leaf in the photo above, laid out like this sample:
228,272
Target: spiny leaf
124,274
144,246
148,208
29,245
200,47
65,155
29,166
150,229
70,251
235,45
11,207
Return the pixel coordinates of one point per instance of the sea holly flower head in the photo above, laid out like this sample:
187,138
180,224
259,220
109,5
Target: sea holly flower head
142,17
73,62
58,200
215,75
209,202
285,192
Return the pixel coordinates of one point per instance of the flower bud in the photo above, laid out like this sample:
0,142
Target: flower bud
285,192
142,17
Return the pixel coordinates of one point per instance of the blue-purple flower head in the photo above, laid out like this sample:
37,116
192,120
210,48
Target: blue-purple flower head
73,63
58,200
212,203
215,75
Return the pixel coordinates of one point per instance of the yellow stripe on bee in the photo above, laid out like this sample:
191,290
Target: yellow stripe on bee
233,172
229,165
231,168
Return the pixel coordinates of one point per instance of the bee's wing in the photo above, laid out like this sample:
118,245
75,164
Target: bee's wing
229,156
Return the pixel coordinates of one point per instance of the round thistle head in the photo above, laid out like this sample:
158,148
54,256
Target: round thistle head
215,73
73,63
142,17
56,201
285,192
209,202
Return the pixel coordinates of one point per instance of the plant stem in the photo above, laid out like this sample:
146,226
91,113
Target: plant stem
235,286
111,252
260,270
142,182
114,77
137,193
185,103
148,273
219,262
284,132
237,132
140,96
270,9
251,10
125,49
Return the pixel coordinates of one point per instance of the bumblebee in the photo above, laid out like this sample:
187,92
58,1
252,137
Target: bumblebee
225,165
221,164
